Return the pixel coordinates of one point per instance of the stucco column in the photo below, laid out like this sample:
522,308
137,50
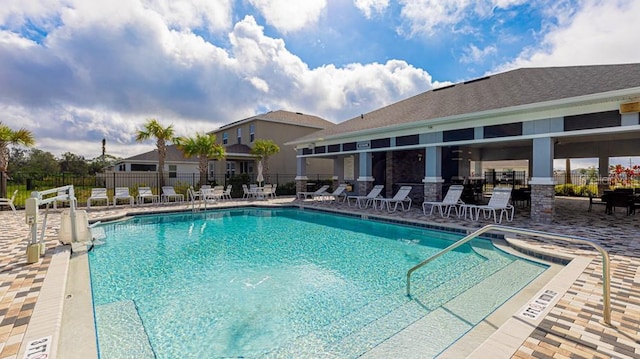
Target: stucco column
542,182
365,180
301,172
433,174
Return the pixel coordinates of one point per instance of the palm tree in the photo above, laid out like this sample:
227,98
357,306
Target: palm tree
10,137
205,147
263,149
152,128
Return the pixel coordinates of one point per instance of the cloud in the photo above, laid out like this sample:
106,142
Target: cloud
368,7
106,67
599,32
290,16
472,54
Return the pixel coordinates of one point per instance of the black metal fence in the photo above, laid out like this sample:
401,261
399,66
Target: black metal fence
26,183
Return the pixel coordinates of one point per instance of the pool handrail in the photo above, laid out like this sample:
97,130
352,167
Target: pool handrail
606,266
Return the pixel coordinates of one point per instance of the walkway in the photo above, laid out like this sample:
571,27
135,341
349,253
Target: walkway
571,330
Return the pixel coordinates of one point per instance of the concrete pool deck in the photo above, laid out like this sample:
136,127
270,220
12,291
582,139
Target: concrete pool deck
32,295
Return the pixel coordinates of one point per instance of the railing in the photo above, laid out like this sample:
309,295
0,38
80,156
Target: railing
606,271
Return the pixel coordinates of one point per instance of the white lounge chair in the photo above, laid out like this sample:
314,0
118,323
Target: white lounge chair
144,193
366,201
336,194
321,191
98,195
401,197
122,194
499,201
450,201
9,201
227,192
168,193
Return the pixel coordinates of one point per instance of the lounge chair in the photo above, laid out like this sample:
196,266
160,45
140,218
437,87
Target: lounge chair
227,192
365,201
144,193
451,201
122,193
401,197
168,192
9,201
321,191
499,201
335,195
246,193
99,195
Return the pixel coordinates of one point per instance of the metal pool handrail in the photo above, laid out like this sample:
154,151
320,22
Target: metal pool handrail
606,271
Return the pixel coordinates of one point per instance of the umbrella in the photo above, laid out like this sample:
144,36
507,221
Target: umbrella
260,178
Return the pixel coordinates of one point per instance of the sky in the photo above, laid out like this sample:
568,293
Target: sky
76,71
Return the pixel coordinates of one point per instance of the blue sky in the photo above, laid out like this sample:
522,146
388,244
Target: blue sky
76,71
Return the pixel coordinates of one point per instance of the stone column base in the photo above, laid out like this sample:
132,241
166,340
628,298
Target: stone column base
433,191
364,187
301,185
542,203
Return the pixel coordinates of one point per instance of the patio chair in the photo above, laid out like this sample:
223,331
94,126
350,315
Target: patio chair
335,195
212,194
144,193
246,193
227,192
98,195
365,201
168,192
321,191
9,201
122,194
499,201
401,197
450,201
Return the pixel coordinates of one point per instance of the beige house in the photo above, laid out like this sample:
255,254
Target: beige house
279,126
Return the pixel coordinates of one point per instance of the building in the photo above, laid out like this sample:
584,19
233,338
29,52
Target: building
279,126
237,138
532,114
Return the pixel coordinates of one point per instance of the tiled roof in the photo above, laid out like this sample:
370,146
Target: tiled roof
509,89
173,155
295,118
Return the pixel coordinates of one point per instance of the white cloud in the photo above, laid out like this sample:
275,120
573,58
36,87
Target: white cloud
190,14
368,7
599,32
290,16
109,66
473,54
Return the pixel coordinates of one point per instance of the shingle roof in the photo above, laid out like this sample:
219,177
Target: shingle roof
295,118
238,149
503,90
173,155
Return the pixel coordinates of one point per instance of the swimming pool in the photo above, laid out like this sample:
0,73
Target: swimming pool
285,283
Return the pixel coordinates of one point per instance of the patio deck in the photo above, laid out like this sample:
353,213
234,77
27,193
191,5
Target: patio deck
572,329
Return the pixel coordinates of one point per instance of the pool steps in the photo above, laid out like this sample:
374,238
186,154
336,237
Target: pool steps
125,336
376,317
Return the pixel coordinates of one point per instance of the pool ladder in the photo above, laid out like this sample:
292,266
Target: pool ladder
606,265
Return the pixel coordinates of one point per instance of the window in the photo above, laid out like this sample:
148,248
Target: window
212,172
173,171
231,168
252,133
239,135
225,138
122,167
141,167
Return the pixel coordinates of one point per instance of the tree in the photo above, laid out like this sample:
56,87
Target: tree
70,162
11,137
263,149
152,128
42,162
203,146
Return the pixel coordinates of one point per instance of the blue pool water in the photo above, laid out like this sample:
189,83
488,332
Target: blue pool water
283,283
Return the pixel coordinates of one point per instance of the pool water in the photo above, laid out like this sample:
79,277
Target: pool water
284,283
